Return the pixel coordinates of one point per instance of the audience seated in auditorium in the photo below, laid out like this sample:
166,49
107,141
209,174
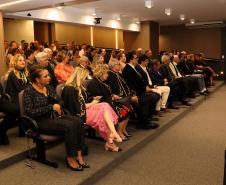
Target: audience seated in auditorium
146,99
163,91
40,103
98,87
190,82
177,87
99,116
187,67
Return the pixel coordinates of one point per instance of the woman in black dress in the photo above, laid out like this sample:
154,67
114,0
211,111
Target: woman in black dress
98,87
40,103
16,77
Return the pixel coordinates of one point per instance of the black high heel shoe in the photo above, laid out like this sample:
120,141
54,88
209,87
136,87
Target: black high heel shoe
85,165
79,168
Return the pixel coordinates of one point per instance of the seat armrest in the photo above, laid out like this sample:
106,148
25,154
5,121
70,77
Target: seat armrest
7,96
28,123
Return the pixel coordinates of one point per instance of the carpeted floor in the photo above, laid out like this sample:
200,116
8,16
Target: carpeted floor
189,153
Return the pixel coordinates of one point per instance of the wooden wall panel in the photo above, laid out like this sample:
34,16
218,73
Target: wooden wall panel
120,39
18,30
66,33
104,37
180,38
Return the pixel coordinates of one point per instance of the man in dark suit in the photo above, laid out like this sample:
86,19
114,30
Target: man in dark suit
155,90
172,81
137,85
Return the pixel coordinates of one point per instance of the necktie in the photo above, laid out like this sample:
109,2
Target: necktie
175,69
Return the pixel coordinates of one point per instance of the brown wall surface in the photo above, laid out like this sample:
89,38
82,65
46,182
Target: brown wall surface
134,40
178,37
120,39
18,30
103,37
41,31
66,33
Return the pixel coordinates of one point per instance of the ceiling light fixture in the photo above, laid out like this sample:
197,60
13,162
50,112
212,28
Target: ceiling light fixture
192,21
182,17
168,11
60,7
94,12
118,18
12,3
148,4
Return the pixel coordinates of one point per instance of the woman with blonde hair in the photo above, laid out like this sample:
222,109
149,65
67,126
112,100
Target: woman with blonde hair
99,116
97,59
98,87
16,77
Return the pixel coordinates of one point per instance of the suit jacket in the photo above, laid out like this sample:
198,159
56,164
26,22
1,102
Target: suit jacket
157,78
134,80
190,66
144,76
166,72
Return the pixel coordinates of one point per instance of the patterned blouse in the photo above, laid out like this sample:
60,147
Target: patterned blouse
37,105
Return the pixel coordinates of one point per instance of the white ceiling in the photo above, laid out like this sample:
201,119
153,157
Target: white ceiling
200,10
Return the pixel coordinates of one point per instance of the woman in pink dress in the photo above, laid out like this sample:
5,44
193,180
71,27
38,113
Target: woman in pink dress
99,116
63,69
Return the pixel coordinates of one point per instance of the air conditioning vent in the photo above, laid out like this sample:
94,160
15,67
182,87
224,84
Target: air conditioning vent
214,24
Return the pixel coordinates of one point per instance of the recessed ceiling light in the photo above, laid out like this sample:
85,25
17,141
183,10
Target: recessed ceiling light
118,18
94,12
182,17
192,21
60,7
148,4
12,3
168,11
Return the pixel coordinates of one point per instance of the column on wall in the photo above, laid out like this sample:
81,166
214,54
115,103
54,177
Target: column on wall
147,38
3,67
154,38
41,31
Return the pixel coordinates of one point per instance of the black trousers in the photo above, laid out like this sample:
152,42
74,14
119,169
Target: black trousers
177,92
71,127
146,106
12,112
